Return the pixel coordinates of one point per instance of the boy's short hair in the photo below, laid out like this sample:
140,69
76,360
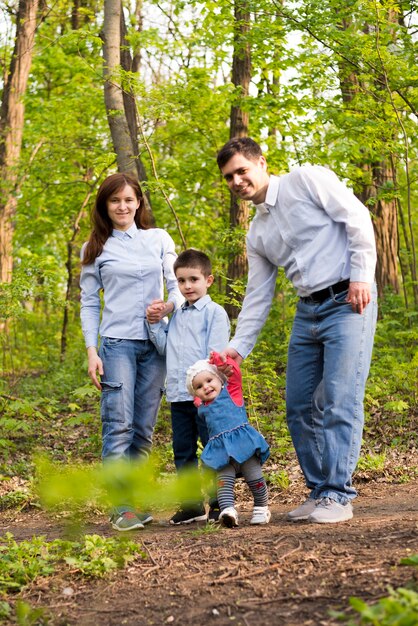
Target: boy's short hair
238,145
194,258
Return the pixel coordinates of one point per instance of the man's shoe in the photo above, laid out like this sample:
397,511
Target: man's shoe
146,518
229,517
329,511
189,515
213,515
261,515
303,511
128,520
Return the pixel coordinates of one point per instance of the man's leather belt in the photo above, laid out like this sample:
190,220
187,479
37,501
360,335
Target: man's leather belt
327,292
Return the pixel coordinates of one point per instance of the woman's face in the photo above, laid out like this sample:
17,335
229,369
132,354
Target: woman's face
121,208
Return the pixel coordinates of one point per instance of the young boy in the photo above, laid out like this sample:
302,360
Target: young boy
197,328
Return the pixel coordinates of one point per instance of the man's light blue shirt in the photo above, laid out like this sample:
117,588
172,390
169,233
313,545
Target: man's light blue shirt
314,227
131,271
193,331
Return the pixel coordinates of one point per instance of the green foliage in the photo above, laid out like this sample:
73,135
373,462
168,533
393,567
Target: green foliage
141,483
399,608
94,557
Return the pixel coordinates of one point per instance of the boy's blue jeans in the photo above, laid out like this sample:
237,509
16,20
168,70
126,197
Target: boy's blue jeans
132,386
328,363
188,427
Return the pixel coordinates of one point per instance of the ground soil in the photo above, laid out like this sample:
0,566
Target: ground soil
283,574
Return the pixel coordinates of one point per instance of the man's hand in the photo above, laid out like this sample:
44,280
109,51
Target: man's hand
157,310
359,296
227,369
95,366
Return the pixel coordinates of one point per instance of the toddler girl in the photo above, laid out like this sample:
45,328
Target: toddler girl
234,446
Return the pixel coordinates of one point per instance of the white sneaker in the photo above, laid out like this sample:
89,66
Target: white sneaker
229,517
303,511
329,511
261,515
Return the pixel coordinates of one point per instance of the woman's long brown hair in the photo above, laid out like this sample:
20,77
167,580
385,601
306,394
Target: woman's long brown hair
102,225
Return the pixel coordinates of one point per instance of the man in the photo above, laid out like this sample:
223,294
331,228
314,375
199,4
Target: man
309,223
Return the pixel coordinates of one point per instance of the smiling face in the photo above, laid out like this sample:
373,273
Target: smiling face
206,386
193,284
121,207
247,178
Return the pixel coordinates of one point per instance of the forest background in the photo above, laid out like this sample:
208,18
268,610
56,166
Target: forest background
157,88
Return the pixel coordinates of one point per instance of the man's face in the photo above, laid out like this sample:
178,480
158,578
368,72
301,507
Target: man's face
192,283
247,178
207,386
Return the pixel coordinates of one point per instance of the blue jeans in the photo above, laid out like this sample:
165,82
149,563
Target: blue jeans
329,358
132,386
187,427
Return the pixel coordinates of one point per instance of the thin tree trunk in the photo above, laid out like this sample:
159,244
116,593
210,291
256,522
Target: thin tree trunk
132,65
239,119
11,129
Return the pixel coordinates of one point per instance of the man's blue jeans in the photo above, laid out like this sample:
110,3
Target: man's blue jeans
328,363
132,386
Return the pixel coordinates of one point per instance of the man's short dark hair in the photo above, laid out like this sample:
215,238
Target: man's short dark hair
196,259
238,145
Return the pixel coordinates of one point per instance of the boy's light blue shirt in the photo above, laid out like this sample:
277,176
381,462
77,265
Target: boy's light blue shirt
193,331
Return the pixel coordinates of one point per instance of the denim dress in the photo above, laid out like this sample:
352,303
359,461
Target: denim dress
231,436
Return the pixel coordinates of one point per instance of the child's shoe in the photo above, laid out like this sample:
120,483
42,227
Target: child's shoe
189,514
213,515
261,515
229,517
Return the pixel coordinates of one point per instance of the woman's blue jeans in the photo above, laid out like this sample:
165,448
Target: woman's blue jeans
328,363
132,386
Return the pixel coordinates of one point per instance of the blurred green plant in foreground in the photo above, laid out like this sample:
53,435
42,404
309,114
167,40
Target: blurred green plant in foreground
139,483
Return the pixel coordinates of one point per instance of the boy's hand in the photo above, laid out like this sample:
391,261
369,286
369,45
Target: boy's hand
157,310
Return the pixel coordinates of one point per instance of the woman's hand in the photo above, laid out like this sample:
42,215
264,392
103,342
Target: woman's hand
95,366
157,310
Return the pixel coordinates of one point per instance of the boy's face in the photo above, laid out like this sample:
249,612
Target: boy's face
192,283
247,178
206,386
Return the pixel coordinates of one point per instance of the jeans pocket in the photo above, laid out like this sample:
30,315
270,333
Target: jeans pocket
112,402
111,341
340,298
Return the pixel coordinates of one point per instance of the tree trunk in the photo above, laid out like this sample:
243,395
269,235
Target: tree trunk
385,222
11,128
118,124
132,65
384,211
239,119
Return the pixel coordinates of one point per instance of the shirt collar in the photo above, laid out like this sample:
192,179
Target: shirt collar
199,304
271,196
126,234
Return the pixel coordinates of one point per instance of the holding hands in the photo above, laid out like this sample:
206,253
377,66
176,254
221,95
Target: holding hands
157,310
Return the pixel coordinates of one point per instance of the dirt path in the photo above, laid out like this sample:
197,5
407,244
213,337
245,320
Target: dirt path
281,574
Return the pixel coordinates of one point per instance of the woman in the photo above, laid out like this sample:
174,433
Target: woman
129,261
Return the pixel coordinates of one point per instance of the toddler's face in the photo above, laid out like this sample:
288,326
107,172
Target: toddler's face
207,386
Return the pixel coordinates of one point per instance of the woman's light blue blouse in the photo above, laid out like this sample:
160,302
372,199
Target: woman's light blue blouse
131,271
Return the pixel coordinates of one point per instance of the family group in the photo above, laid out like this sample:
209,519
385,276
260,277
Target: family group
306,221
